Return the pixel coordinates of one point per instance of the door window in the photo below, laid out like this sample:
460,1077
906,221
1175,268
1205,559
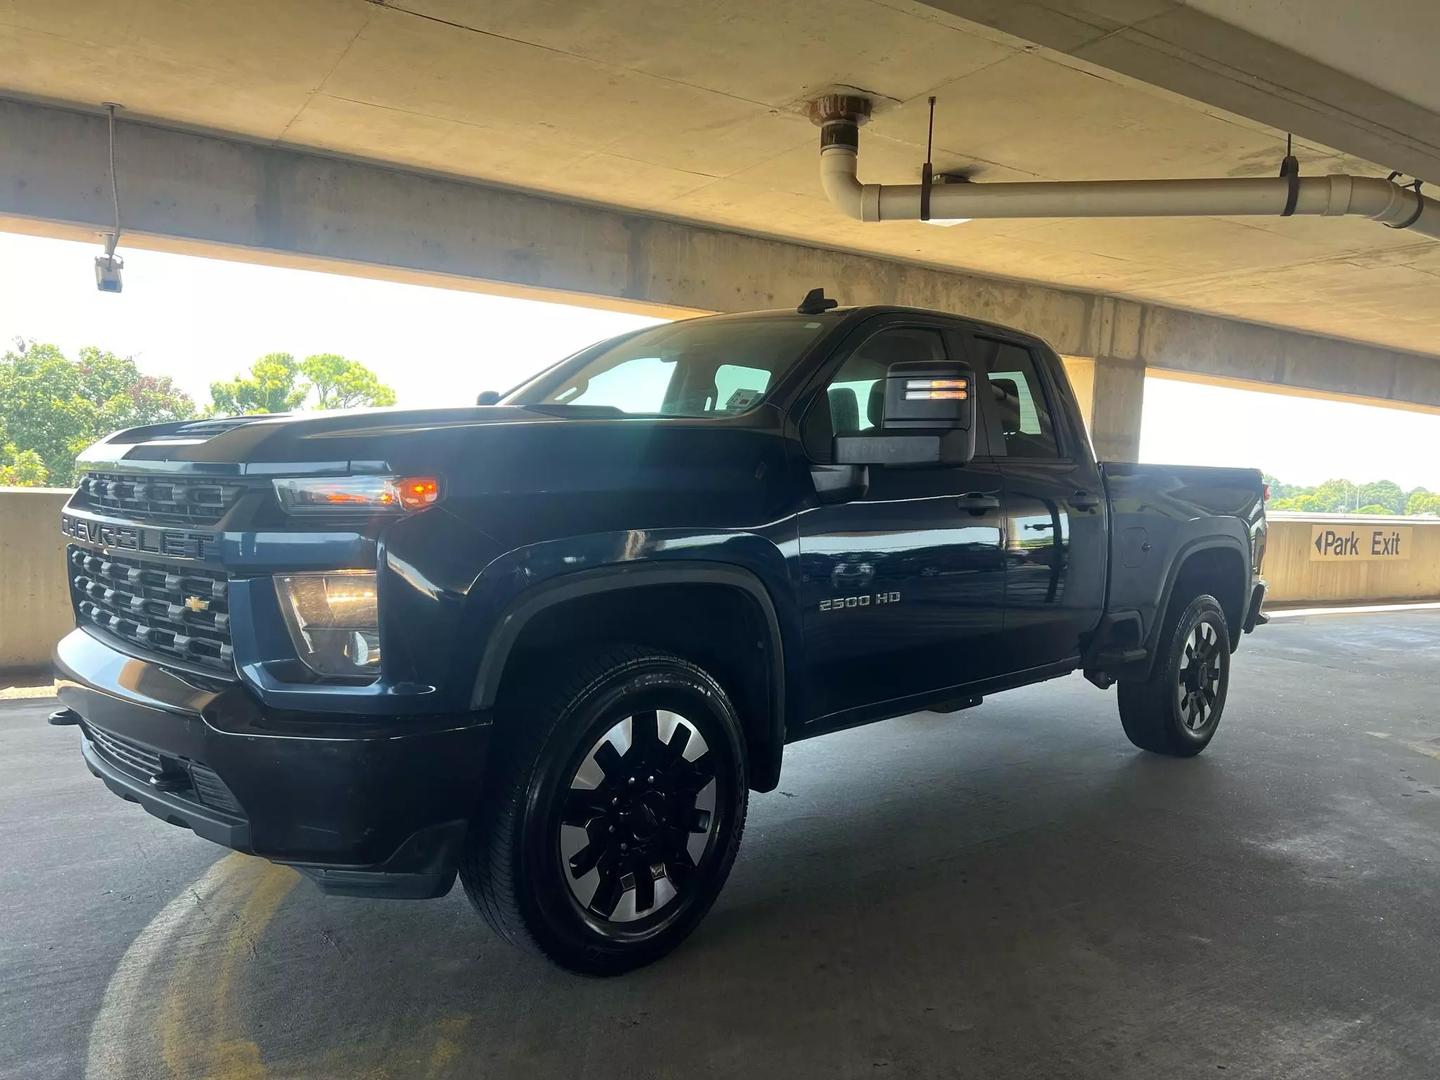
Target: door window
854,398
1016,398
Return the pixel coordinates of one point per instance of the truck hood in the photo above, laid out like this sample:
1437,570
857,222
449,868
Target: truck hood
323,442
515,473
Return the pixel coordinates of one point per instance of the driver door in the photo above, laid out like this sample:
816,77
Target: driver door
902,585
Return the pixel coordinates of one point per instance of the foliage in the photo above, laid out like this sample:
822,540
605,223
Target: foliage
339,383
1424,502
268,388
1385,493
20,468
1347,497
278,383
54,407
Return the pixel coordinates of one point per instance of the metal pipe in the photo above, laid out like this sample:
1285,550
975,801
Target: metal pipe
1326,196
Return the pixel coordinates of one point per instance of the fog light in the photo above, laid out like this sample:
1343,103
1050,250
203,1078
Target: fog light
333,620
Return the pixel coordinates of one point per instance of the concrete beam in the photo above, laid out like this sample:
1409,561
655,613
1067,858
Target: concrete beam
227,198
1173,47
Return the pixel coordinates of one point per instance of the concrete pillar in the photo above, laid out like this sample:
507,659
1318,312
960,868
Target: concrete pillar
1081,372
1117,399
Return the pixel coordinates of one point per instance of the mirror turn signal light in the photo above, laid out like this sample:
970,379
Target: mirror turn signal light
937,389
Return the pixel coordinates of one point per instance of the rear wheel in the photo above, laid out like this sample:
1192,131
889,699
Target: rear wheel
1177,709
616,815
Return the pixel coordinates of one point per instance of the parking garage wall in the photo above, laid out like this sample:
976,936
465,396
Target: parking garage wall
34,599
1299,571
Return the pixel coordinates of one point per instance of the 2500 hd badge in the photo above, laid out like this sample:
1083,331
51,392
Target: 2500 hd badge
839,603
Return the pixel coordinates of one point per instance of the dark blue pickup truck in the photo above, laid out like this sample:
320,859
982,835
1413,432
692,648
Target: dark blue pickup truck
552,643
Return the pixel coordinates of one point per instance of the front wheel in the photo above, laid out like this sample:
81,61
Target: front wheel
1177,710
617,813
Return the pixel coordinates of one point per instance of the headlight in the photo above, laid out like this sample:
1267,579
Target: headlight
374,494
333,620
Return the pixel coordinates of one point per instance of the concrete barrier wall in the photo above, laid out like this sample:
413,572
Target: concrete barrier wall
34,597
1297,572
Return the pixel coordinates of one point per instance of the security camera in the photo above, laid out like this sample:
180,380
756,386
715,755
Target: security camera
107,272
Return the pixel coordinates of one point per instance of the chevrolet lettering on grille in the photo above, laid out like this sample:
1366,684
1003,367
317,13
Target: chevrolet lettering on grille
171,542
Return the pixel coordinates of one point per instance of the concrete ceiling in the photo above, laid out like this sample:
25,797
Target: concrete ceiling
690,111
1389,44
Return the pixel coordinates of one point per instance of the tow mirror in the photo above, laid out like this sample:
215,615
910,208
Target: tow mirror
929,418
488,397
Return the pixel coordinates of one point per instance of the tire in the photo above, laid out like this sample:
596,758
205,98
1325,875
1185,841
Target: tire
605,878
1177,709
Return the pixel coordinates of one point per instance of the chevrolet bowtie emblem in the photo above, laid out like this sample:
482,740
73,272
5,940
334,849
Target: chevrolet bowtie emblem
194,603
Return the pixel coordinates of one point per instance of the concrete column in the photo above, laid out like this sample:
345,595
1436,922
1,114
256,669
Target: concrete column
1117,399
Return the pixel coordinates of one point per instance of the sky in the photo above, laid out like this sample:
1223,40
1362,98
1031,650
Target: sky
200,320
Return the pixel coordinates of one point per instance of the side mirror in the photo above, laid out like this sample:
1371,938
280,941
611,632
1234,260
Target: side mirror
929,418
488,397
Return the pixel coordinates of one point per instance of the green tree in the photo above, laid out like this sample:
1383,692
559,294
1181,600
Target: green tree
54,407
1386,493
1422,502
1374,508
269,387
21,468
339,383
277,383
1336,496
1279,489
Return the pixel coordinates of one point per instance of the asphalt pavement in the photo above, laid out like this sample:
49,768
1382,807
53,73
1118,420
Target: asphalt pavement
1010,891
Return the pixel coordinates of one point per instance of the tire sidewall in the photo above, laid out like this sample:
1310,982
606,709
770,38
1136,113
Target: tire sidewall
1202,609
547,903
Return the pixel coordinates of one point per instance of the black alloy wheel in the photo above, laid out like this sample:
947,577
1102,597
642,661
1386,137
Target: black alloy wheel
637,820
614,812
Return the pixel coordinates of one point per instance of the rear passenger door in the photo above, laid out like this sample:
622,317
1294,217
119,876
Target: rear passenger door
1055,532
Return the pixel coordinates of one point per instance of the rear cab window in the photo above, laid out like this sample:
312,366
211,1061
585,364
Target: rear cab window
1014,398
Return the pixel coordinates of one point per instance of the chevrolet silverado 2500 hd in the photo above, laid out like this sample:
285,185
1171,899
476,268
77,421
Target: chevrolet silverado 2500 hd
551,644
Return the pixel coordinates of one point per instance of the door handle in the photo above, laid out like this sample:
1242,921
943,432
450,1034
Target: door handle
1083,500
977,502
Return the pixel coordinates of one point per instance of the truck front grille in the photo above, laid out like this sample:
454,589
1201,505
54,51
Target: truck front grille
172,609
163,501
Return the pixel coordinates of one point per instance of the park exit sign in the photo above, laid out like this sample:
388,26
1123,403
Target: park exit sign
1358,543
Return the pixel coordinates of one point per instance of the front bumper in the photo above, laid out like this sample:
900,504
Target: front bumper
364,805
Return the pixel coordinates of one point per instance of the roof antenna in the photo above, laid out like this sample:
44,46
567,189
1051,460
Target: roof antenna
816,303
927,171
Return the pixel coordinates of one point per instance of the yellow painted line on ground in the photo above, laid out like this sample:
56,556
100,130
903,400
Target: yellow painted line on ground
187,959
1419,748
201,1032
175,1006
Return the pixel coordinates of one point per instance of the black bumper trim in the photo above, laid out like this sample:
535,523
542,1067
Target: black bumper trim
203,822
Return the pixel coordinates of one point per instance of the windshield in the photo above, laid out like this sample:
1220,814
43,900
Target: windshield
701,367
